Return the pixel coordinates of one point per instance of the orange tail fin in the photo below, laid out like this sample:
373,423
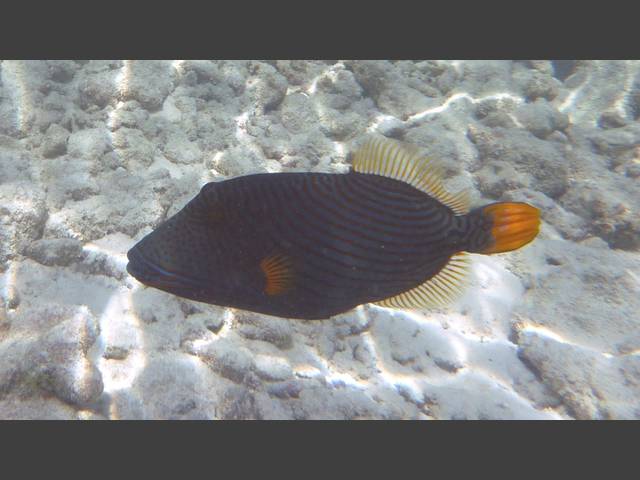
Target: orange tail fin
514,225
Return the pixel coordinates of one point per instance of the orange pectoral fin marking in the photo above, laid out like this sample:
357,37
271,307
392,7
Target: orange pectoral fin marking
278,272
514,225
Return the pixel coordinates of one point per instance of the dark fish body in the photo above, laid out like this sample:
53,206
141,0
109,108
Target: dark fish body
305,245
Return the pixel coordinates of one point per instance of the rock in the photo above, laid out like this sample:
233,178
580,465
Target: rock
540,85
447,81
544,161
297,112
127,405
389,89
148,82
266,328
372,75
214,324
205,71
534,350
633,169
211,321
22,217
113,352
54,358
9,115
285,390
496,178
239,161
5,324
300,72
14,162
180,150
562,69
498,119
609,213
98,215
131,146
612,119
598,301
55,141
570,225
272,368
341,126
191,333
98,89
128,114
488,106
615,141
490,401
339,90
228,359
69,179
171,387
89,144
62,71
238,403
55,251
541,119
595,87
352,324
61,359
592,386
54,111
18,408
544,66
451,149
481,78
392,127
154,306
267,87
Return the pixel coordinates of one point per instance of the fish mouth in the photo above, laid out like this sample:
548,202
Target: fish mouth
151,274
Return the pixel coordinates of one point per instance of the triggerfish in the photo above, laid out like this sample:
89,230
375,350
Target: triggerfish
313,245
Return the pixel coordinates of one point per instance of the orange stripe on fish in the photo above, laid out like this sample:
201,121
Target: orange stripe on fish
278,272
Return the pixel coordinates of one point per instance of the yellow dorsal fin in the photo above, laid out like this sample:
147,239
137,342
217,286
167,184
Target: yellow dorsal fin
389,158
439,290
278,272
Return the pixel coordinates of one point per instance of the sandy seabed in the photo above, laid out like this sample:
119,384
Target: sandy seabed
95,154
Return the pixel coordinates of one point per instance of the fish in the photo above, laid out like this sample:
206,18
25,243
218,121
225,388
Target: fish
314,245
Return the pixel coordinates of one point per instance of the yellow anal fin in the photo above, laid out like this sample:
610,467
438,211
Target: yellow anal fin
441,289
400,161
278,272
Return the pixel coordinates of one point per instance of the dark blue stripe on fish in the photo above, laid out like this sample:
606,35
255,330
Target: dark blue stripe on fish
318,229
334,209
336,249
348,239
403,271
392,192
370,207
